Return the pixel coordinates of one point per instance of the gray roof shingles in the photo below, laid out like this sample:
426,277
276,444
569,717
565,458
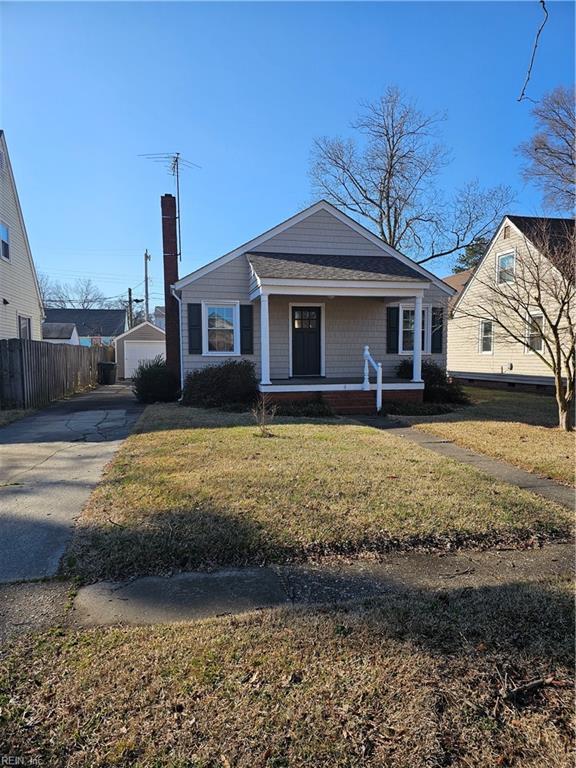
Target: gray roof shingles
330,267
90,322
57,330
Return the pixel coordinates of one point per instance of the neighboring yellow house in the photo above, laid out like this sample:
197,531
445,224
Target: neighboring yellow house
21,310
478,349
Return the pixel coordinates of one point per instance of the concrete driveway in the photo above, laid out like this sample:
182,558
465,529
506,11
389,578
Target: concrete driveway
49,464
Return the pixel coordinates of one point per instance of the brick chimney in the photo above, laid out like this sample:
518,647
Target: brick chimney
170,247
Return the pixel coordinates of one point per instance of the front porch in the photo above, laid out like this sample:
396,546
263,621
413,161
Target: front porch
345,395
339,384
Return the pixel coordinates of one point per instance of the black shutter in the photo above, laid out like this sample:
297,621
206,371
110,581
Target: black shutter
392,323
437,329
246,329
195,329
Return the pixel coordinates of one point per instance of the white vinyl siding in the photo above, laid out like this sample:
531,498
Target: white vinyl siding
18,291
463,331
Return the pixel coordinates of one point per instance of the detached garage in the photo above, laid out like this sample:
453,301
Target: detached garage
143,342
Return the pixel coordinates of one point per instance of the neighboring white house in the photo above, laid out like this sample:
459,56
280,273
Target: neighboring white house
60,333
478,349
141,343
159,317
305,299
21,311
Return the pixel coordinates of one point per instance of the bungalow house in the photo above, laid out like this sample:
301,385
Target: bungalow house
479,350
95,327
20,301
318,303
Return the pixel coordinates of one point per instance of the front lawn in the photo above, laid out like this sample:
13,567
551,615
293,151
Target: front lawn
518,427
410,681
198,488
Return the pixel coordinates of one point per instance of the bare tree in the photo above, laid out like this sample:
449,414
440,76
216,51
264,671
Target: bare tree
82,294
389,176
550,154
45,284
535,306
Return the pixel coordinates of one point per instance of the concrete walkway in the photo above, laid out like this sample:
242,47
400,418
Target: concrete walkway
500,470
49,464
189,596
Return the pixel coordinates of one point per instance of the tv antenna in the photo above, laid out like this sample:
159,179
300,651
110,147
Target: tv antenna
172,161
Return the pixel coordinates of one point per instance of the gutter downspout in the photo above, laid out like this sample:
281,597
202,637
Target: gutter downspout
181,337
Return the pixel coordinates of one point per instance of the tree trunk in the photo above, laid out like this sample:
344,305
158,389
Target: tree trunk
565,411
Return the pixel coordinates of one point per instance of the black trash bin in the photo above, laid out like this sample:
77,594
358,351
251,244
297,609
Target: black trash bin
106,373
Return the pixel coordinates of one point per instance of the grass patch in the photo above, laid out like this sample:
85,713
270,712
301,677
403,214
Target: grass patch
417,679
518,427
7,417
198,488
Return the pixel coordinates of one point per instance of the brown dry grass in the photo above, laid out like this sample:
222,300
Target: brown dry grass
411,681
517,427
201,488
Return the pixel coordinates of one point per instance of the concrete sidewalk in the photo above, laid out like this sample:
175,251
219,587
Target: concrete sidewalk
500,470
49,463
198,595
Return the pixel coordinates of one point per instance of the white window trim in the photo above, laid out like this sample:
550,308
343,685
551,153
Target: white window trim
221,303
24,317
507,252
427,348
3,258
529,315
322,307
481,335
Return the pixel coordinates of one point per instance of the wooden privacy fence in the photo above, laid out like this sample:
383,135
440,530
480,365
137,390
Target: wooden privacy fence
33,373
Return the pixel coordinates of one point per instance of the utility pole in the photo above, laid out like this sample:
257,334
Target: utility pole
147,258
130,313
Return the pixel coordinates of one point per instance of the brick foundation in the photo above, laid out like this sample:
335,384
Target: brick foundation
351,402
520,386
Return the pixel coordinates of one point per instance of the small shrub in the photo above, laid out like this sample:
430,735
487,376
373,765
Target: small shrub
154,382
264,412
231,382
438,388
315,407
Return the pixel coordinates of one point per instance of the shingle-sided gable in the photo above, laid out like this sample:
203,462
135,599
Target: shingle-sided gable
320,229
321,233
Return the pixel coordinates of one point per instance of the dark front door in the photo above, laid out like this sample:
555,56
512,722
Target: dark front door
306,341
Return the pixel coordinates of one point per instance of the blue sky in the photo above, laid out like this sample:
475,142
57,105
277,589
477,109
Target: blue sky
242,89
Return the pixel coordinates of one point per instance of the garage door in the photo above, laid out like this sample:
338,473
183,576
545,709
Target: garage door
137,351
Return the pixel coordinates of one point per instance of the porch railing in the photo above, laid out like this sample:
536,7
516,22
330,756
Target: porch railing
369,361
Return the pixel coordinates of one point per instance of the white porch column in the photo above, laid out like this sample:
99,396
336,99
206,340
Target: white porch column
264,340
417,359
